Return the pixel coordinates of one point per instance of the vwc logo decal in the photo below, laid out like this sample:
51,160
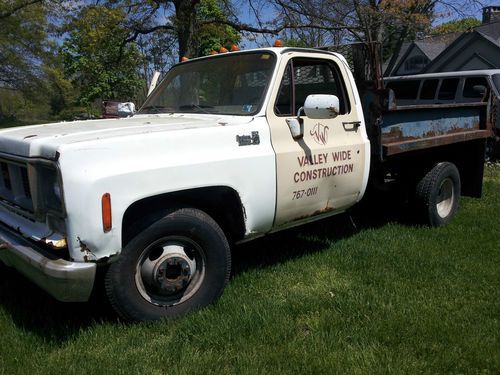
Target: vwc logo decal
320,133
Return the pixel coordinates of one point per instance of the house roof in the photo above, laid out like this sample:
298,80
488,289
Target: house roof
461,42
435,46
490,31
431,46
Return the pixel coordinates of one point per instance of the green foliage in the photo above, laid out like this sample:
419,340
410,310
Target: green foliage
319,299
62,93
96,59
22,40
212,37
295,42
22,37
462,25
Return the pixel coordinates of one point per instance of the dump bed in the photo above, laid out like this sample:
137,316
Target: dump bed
416,127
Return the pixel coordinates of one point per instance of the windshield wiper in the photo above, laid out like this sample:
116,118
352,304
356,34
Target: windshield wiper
156,109
199,107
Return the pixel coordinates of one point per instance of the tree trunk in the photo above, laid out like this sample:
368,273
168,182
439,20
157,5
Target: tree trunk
185,14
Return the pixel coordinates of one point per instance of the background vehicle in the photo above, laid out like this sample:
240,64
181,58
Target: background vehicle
472,86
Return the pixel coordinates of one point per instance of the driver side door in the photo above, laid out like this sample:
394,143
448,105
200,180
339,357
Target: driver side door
323,172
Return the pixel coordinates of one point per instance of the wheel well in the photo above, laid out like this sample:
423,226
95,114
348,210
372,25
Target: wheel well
222,203
410,167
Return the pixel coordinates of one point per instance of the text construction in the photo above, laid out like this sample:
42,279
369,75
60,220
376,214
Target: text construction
325,171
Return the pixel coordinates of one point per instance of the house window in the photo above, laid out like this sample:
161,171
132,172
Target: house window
415,64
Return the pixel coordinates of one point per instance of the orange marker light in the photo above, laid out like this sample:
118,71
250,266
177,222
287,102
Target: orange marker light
278,43
106,212
213,53
234,48
223,50
184,58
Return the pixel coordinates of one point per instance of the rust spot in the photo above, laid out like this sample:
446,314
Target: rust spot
315,213
88,256
391,148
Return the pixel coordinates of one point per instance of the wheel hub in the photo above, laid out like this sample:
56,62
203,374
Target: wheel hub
445,198
173,274
167,270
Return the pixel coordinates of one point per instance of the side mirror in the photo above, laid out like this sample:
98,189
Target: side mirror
316,106
479,89
321,106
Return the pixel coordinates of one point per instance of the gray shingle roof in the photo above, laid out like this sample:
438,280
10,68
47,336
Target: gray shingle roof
490,30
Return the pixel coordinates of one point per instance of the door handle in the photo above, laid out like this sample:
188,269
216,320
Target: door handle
351,126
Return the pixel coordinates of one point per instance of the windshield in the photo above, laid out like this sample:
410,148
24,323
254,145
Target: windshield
496,81
229,85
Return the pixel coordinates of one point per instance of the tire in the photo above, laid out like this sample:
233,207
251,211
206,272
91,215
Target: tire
3,270
438,193
180,263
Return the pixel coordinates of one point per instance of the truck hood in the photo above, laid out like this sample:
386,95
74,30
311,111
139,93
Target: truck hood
45,140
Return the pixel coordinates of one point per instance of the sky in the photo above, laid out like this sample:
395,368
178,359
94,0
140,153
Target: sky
246,15
477,13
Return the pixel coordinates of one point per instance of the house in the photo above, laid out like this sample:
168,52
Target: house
473,50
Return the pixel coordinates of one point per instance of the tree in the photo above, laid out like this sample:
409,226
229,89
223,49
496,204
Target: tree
23,41
212,36
22,38
375,23
10,8
95,58
198,25
461,25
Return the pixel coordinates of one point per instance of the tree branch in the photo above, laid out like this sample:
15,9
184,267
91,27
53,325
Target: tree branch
10,12
264,30
149,30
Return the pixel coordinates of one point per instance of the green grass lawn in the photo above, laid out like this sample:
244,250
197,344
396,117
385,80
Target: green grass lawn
324,298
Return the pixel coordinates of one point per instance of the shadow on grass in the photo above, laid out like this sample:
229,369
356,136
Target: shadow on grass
32,309
374,211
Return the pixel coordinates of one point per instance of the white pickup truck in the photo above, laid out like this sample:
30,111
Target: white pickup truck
226,149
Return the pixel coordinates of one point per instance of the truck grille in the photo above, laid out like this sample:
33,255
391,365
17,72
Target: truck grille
14,186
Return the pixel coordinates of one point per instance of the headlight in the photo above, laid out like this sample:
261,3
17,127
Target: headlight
47,191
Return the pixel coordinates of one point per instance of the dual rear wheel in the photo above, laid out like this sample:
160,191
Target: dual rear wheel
438,193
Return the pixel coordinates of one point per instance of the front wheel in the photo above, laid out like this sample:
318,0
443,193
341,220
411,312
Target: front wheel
438,194
180,263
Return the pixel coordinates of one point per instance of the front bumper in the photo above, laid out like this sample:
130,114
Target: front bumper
64,280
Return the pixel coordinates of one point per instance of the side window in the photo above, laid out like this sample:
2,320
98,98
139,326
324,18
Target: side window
407,90
304,77
428,91
448,89
469,91
284,103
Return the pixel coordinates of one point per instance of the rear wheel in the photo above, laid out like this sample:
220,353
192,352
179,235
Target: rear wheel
438,194
3,270
179,263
